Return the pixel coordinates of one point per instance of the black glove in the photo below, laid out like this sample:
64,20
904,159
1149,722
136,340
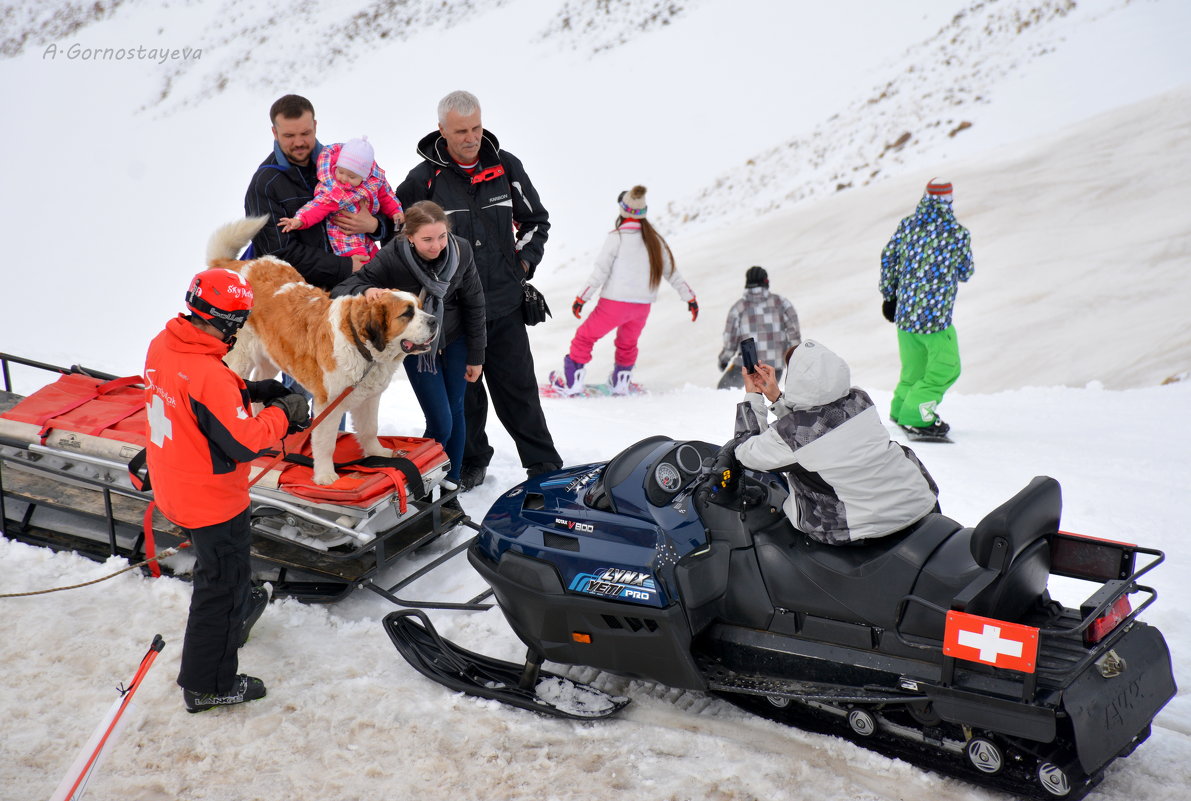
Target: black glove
296,408
889,309
693,307
725,471
265,391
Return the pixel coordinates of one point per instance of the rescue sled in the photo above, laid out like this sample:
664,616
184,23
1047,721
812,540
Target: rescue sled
940,645
65,483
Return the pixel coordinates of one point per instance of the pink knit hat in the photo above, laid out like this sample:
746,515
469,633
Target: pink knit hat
357,155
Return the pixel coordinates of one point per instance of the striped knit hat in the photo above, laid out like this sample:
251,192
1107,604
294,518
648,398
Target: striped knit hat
631,204
939,188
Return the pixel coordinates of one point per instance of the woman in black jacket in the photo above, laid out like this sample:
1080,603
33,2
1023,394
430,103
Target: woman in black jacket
437,266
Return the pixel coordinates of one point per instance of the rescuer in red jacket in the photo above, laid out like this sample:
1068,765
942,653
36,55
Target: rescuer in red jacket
202,435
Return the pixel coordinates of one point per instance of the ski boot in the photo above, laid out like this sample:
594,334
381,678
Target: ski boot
570,381
248,688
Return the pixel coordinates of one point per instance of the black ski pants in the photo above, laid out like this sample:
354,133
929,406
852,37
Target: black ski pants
218,605
509,376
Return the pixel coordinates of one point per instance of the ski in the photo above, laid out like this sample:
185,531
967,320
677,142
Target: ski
523,686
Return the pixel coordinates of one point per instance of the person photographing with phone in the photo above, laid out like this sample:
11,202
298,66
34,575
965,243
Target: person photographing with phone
848,481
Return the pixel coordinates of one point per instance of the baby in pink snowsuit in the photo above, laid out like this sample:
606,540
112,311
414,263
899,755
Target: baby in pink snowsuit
349,180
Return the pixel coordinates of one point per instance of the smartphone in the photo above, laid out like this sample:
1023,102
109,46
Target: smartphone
748,354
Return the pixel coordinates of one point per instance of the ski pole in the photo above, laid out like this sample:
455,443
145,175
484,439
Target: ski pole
75,783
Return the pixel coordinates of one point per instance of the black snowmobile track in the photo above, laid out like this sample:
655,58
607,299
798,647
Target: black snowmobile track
1018,776
484,677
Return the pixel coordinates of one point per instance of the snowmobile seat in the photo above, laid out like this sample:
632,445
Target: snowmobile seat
1012,545
860,583
999,569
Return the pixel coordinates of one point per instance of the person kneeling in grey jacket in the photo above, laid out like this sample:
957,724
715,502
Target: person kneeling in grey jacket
848,480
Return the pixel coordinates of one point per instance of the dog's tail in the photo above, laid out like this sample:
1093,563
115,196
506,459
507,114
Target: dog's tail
229,240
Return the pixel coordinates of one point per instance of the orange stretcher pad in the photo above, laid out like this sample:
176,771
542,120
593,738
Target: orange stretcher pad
77,408
362,485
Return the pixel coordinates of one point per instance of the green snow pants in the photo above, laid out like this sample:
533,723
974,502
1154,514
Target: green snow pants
930,365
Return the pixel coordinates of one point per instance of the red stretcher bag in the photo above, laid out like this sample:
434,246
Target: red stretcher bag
111,409
363,481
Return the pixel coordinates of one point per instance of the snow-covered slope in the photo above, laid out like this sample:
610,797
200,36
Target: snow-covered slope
139,160
995,72
742,116
1081,254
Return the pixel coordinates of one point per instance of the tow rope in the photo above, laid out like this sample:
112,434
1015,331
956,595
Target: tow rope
164,554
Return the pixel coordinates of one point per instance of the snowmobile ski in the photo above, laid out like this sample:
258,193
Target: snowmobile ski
524,686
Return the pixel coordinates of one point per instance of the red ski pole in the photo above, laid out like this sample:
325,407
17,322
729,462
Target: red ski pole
72,787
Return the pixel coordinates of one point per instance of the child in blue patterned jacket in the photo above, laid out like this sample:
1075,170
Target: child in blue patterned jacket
921,267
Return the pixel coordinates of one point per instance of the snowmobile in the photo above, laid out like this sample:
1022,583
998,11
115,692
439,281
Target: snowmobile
66,483
939,645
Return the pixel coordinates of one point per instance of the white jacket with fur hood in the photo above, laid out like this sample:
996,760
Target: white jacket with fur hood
848,480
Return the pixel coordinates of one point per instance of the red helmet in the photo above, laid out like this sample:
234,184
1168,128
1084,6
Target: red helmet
222,298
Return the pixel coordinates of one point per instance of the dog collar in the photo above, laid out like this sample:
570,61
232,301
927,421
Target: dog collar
358,342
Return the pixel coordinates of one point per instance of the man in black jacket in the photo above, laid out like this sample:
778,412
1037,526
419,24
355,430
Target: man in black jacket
493,206
284,183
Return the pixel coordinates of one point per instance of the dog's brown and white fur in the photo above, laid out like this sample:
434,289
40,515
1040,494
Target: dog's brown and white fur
324,344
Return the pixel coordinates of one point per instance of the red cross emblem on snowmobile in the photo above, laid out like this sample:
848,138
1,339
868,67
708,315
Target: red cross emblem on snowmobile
993,642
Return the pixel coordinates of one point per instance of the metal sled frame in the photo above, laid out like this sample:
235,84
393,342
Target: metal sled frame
76,496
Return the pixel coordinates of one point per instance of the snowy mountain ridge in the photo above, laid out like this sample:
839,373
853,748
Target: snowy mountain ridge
933,94
916,103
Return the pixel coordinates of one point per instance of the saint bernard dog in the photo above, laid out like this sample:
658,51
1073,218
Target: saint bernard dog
325,345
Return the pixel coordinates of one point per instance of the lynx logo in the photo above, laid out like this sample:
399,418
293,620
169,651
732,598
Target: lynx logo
615,582
582,528
618,576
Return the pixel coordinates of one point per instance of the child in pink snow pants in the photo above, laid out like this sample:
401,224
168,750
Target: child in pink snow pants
627,318
629,268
